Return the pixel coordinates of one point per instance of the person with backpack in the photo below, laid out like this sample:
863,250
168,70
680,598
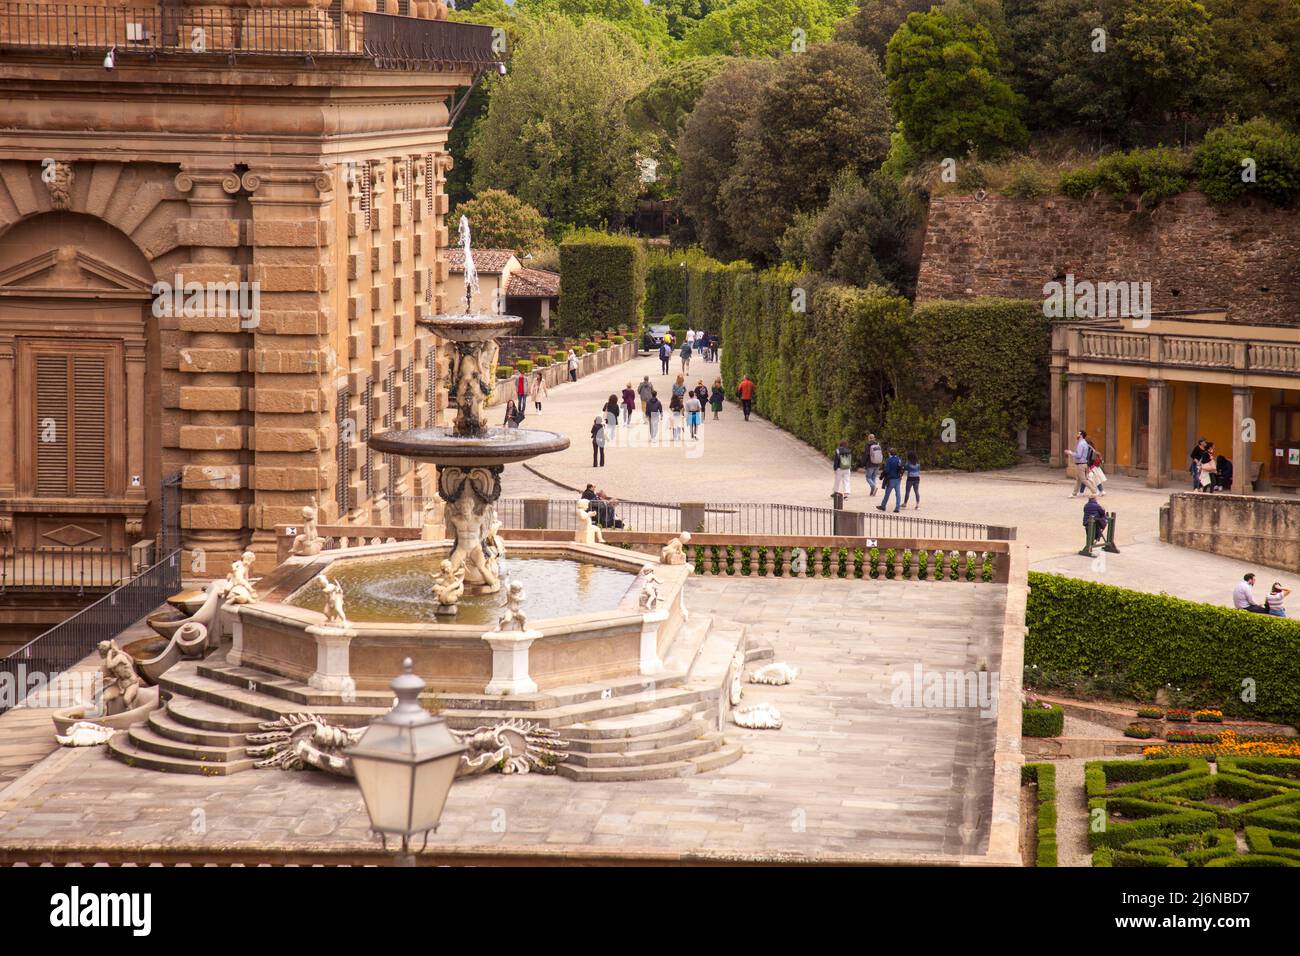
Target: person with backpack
598,443
1093,476
686,356
665,354
643,392
842,463
892,473
875,457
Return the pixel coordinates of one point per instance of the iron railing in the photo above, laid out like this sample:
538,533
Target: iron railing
70,641
714,518
63,568
389,42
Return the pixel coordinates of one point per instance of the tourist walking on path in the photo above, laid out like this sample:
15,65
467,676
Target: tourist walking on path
913,470
676,415
694,412
679,388
538,391
746,390
702,393
1199,456
842,463
717,397
892,472
1080,458
1093,476
644,391
573,365
629,403
611,418
514,415
875,458
1276,602
665,354
1243,596
691,339
654,410
686,357
598,443
521,393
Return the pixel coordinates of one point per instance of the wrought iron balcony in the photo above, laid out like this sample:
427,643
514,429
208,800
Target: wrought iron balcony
387,41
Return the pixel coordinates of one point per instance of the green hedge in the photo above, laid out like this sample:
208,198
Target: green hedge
1039,722
1274,150
505,371
524,365
1154,641
1044,774
602,280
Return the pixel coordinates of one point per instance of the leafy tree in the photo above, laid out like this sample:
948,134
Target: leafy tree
646,24
762,27
1165,49
500,221
1273,155
556,134
681,14
1256,57
458,140
823,111
946,85
659,112
707,148
875,21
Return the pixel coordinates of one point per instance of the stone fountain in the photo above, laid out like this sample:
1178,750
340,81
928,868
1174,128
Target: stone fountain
469,455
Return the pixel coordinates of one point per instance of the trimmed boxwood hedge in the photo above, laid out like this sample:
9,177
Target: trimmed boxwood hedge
1043,774
1154,640
602,279
1039,722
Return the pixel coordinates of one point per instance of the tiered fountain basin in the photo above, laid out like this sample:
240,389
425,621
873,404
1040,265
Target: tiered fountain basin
584,620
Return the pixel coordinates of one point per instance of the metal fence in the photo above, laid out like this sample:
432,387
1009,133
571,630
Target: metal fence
715,518
392,42
68,642
63,568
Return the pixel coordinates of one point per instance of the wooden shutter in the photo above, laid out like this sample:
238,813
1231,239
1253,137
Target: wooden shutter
342,452
51,426
89,428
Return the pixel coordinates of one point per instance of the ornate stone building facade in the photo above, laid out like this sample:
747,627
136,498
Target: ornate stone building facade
212,256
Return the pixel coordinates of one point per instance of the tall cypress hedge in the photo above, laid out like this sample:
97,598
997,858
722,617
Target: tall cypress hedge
602,280
1247,665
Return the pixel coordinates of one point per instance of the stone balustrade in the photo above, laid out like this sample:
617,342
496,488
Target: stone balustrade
1191,352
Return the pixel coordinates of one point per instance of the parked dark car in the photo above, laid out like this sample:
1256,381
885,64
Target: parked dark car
654,336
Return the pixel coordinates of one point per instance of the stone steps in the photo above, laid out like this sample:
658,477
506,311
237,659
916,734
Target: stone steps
146,738
727,753
165,723
669,753
124,749
645,722
687,731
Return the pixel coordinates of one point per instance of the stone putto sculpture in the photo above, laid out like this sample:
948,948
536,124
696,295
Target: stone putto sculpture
775,673
674,552
85,733
448,587
588,532
649,595
334,615
239,588
514,618
757,717
308,542
121,682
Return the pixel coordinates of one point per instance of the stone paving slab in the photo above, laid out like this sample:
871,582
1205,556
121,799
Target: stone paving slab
849,776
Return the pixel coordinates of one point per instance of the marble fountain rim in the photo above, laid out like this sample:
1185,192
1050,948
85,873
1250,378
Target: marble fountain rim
452,449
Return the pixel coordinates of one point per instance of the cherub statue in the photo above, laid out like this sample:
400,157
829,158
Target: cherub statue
674,552
650,583
448,586
239,587
495,544
334,615
588,531
432,528
121,682
513,619
308,541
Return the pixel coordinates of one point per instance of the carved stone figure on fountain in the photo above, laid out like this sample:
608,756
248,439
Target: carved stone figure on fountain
448,587
121,682
649,595
674,552
334,615
239,587
469,494
308,542
514,618
588,532
433,526
471,388
496,545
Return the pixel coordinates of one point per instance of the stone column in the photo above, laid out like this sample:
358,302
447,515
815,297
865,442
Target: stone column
1242,408
135,419
1111,451
1157,434
1060,363
292,360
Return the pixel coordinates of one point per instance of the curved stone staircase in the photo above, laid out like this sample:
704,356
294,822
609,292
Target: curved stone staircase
640,728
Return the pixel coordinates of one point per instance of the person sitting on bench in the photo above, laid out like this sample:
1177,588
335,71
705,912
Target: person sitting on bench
1094,510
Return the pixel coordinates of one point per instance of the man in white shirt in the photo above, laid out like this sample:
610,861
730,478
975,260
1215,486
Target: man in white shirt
690,338
1243,596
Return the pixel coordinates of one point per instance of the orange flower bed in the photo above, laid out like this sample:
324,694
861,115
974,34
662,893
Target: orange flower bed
1229,746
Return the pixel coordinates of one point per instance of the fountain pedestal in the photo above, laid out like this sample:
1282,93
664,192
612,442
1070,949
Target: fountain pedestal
510,662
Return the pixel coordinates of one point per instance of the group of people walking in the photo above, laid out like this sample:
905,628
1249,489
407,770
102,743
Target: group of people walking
882,470
642,405
702,343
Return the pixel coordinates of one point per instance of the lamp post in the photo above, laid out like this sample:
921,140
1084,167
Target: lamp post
404,764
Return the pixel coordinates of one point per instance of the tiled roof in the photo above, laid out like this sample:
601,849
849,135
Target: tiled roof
485,260
533,283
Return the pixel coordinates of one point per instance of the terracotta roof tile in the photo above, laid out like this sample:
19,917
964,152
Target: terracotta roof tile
485,260
533,283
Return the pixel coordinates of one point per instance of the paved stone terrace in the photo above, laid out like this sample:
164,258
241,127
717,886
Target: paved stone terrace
755,461
849,776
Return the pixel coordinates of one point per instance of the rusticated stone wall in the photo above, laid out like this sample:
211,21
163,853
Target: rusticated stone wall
1243,256
1256,530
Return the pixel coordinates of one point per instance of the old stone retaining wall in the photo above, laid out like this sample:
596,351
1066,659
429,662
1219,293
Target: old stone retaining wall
1258,530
